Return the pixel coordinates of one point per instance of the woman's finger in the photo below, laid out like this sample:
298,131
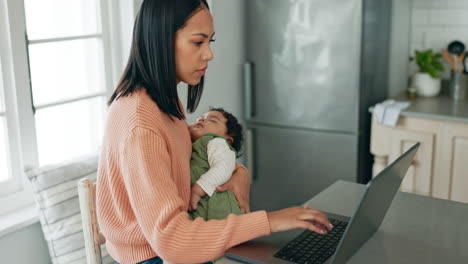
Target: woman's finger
314,228
222,188
247,208
317,217
242,206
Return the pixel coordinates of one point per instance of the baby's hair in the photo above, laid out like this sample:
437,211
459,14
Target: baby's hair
234,129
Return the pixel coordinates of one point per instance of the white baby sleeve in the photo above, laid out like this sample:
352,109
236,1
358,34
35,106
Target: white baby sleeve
222,162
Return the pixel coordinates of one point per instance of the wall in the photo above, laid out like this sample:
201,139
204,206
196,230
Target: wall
423,24
399,46
223,88
24,246
435,23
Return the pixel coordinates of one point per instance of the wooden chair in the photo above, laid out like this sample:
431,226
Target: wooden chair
92,237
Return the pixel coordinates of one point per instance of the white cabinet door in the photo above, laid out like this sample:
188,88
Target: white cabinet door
440,168
451,178
419,176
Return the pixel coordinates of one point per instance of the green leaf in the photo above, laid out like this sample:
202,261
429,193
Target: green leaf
439,66
433,73
429,61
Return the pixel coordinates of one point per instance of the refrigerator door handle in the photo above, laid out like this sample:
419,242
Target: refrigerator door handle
248,91
250,151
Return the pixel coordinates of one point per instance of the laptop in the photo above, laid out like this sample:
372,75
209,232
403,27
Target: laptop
348,234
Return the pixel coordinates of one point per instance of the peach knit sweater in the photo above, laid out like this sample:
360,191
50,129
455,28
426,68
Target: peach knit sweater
143,191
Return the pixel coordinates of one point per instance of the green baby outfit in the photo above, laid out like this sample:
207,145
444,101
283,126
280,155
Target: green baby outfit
220,204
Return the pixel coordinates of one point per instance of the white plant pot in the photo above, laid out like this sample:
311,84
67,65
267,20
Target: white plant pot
426,85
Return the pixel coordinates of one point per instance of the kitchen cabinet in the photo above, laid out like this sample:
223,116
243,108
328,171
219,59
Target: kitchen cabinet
440,168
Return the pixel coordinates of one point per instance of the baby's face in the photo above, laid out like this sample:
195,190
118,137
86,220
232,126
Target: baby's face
210,122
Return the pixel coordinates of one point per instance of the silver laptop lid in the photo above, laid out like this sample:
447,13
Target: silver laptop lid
375,203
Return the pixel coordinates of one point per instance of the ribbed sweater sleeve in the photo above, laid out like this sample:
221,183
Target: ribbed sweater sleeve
153,195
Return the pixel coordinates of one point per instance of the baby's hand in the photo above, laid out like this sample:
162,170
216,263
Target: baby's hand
196,193
194,198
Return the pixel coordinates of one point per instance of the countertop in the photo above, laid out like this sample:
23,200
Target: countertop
439,108
416,229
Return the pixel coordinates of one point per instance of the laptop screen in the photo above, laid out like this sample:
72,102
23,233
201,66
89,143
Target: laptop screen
374,205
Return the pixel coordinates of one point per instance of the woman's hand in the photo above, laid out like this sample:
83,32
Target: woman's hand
239,184
299,217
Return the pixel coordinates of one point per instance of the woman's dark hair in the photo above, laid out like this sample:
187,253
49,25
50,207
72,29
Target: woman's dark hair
234,129
151,64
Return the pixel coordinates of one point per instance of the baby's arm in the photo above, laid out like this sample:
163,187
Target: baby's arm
222,162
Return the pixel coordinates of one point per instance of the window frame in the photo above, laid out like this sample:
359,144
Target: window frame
21,130
14,193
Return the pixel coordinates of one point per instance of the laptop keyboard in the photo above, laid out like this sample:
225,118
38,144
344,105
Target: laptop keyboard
313,248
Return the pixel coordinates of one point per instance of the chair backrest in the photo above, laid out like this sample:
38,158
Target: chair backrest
92,237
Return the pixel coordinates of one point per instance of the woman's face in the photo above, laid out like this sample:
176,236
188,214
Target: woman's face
192,47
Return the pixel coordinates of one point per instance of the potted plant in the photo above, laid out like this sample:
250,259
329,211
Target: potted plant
427,80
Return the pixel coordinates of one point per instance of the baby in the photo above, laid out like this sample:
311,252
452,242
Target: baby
216,138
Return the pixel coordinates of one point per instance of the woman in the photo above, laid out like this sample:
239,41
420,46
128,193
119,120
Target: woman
143,188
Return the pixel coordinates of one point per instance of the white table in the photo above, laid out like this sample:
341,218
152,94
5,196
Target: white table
416,229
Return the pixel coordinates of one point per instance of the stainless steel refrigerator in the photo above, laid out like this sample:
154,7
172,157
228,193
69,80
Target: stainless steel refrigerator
313,68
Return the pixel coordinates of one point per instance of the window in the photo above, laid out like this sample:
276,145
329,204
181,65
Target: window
9,145
67,66
5,164
62,60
